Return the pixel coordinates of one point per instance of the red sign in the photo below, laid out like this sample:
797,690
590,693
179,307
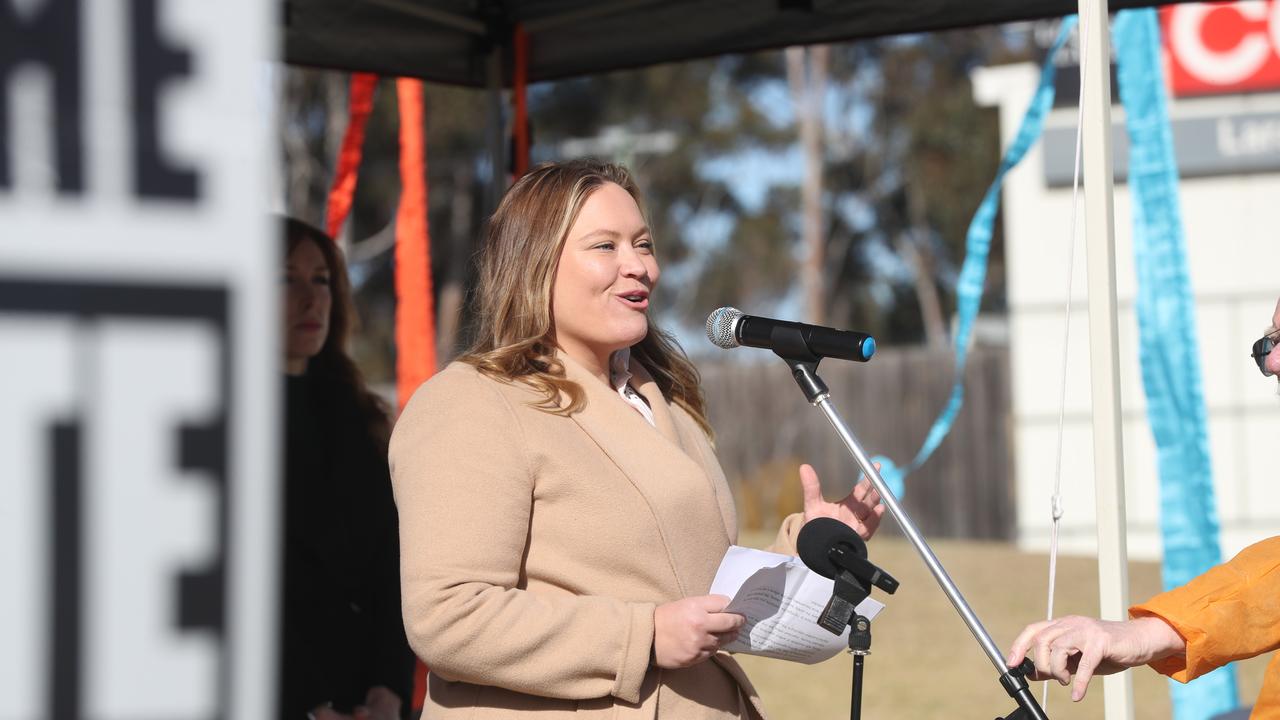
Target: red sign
1218,48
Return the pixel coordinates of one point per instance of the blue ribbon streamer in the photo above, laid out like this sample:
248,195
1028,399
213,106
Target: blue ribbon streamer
1170,363
1168,350
973,274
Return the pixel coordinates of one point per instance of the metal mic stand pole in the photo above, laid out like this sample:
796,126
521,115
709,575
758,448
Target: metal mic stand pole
804,369
859,648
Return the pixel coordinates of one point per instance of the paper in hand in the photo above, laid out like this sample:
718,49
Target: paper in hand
781,600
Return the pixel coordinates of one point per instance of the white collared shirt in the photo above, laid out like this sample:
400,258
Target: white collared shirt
620,377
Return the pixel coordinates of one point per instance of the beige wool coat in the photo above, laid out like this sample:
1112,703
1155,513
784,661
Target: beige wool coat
535,547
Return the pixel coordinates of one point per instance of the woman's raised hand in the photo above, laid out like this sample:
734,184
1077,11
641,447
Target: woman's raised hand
688,631
860,509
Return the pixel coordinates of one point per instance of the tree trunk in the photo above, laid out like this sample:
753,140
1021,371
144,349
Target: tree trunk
916,252
808,90
449,312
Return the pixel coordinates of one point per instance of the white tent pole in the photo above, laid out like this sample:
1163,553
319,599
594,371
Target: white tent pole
1108,445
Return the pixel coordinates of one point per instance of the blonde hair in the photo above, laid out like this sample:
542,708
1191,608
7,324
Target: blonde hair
515,332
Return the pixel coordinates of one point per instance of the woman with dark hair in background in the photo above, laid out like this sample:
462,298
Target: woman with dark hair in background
343,647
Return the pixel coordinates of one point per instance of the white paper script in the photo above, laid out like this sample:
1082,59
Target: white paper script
781,599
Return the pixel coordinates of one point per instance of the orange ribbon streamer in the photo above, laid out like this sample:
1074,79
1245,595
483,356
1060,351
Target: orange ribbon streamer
415,306
344,178
415,311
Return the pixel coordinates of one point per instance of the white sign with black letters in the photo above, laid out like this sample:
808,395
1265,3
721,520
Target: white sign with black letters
138,383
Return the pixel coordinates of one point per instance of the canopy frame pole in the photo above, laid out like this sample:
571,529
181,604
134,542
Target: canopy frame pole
495,131
440,17
1108,441
520,101
588,12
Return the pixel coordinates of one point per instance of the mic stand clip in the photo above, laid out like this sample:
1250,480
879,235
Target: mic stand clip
841,612
788,343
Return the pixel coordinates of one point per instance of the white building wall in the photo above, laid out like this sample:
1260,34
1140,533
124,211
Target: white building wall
1232,225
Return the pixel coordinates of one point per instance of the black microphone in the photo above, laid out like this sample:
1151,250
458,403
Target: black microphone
827,546
728,328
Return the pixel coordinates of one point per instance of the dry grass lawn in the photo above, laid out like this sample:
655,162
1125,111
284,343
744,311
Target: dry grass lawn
925,664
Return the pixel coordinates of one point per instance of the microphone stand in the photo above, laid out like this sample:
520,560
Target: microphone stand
851,588
789,345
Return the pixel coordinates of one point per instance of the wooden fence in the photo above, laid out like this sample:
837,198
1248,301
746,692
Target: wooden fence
765,428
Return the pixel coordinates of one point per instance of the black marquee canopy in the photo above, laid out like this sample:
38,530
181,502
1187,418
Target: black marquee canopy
454,41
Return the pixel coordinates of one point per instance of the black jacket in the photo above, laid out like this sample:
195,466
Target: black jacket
342,631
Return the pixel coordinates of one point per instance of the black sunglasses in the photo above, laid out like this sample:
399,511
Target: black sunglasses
1262,348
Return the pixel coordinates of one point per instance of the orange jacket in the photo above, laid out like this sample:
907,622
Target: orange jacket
1229,613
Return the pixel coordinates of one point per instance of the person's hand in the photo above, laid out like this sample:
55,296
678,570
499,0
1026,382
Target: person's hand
1085,647
380,703
688,631
325,712
860,509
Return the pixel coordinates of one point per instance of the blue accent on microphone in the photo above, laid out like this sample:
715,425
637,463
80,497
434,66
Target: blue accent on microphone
868,348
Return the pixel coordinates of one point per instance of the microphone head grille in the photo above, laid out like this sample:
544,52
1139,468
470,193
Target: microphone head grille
721,324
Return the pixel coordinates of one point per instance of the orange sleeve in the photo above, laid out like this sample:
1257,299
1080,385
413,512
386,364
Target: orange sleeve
1229,613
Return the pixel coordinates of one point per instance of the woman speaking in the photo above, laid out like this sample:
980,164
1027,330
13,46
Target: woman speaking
562,512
